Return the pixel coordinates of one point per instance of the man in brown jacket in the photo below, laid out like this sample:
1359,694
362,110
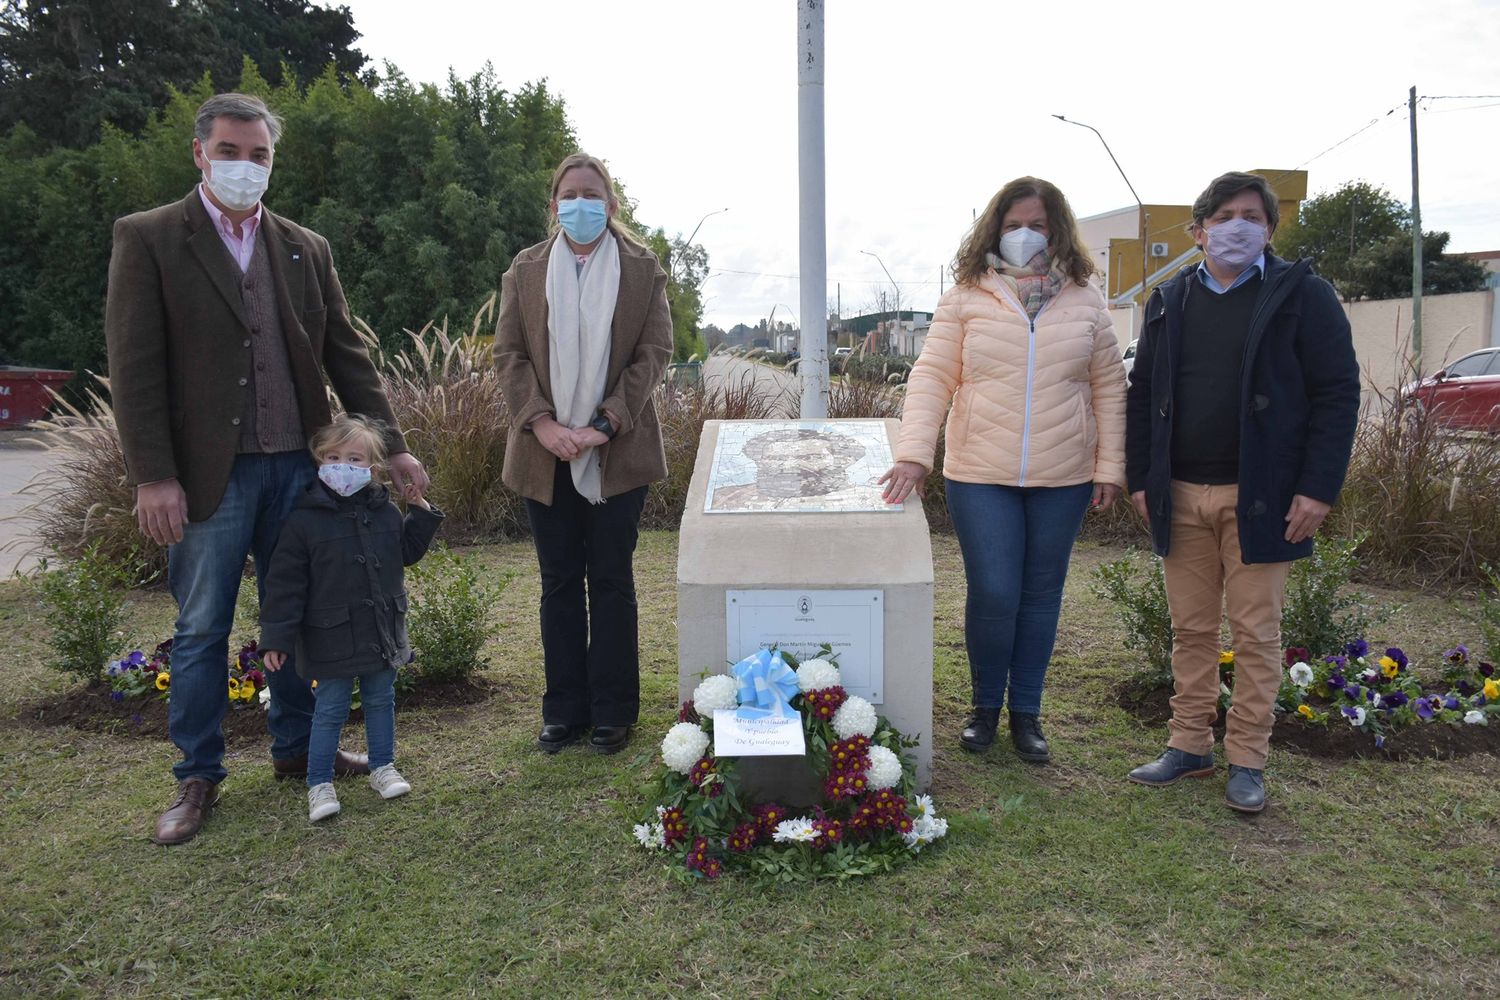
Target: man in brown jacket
222,320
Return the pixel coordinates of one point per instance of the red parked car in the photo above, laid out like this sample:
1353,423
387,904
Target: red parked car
1465,395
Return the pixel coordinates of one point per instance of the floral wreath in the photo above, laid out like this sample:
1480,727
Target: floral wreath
868,820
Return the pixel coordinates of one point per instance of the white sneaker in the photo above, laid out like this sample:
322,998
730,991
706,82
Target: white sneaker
388,782
322,802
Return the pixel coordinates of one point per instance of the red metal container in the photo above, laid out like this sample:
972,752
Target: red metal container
23,393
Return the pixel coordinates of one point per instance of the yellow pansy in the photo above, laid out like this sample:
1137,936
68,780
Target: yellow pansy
1226,658
1491,690
163,680
234,687
1389,667
1305,711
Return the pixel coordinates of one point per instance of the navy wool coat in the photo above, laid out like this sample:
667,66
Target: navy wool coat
1298,404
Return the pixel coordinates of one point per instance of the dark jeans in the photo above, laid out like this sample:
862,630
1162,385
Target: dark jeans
204,573
1016,542
588,638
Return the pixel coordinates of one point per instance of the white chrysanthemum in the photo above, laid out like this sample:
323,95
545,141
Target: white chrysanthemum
924,806
855,717
795,831
885,769
815,675
651,836
717,692
683,745
1475,717
924,830
1301,674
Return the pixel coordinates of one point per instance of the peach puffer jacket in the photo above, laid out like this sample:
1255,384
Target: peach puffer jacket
1038,403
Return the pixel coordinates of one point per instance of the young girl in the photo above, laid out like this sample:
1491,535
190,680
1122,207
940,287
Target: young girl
335,596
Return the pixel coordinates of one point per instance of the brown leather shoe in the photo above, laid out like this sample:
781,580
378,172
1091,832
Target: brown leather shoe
345,765
184,817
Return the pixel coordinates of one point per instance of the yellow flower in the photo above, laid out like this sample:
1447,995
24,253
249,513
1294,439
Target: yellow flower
163,680
1226,658
1305,711
234,687
1389,667
1491,690
248,692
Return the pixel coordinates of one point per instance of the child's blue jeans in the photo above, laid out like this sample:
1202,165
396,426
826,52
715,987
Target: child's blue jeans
377,694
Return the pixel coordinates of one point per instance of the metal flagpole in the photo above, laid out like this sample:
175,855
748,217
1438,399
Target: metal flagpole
813,244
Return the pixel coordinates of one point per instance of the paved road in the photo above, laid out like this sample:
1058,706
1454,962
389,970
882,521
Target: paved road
20,460
773,383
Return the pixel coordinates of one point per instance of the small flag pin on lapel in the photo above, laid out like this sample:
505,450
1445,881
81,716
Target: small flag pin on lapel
296,256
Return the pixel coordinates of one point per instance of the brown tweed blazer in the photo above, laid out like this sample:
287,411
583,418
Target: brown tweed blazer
641,348
179,344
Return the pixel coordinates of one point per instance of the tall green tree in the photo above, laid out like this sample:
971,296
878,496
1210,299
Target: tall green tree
687,267
1384,271
68,67
1335,229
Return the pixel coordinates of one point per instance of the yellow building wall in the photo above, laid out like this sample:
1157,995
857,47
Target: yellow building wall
1168,224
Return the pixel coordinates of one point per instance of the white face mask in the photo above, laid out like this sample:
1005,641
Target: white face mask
1018,246
238,184
344,479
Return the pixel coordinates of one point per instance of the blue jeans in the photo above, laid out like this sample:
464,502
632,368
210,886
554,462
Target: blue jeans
1016,542
204,572
377,695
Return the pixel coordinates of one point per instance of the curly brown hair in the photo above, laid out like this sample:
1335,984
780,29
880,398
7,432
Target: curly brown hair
983,238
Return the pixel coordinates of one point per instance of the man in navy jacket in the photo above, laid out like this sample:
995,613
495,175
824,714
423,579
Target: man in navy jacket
1240,420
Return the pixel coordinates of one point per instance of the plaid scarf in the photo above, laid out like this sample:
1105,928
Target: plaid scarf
1033,284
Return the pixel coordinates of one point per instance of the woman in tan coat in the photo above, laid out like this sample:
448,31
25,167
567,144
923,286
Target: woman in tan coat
583,338
1022,359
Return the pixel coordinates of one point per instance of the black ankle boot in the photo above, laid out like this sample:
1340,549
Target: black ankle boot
1026,734
979,730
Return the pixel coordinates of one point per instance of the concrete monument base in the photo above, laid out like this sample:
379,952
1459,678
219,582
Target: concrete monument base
753,542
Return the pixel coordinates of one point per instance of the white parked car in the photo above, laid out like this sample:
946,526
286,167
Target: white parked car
1129,357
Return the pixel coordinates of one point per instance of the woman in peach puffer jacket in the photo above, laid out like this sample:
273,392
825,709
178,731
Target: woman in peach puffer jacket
1022,358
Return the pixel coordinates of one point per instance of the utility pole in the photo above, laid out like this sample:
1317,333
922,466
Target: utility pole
813,242
1416,244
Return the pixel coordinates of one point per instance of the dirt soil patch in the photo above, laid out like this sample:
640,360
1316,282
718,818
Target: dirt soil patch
1152,706
91,709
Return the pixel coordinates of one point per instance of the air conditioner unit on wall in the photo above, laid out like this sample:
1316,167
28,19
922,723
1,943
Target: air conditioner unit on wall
1160,249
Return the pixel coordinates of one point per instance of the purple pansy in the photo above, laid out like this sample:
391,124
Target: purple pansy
1357,648
1451,703
1394,700
1458,654
1465,688
1337,661
1486,669
1394,652
1425,707
1335,681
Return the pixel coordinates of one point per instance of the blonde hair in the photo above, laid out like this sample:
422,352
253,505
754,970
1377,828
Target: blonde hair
622,229
1063,242
348,427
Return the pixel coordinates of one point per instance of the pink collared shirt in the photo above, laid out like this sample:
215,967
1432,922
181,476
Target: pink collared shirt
240,247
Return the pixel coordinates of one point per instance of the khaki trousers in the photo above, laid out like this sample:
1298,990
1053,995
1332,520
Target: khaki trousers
1206,577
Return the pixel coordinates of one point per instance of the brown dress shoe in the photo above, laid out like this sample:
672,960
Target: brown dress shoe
345,765
184,817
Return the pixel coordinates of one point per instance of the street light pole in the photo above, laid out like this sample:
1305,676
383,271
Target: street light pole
672,271
1140,208
893,284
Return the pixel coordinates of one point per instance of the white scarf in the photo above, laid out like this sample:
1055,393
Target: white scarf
580,310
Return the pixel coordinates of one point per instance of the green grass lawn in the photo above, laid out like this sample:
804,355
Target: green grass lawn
508,873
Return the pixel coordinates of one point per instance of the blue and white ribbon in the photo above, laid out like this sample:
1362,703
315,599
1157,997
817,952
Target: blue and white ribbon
766,686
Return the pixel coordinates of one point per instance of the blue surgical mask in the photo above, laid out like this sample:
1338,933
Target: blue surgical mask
345,480
1235,244
582,219
1018,246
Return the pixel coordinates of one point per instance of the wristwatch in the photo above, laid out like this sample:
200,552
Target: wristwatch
602,425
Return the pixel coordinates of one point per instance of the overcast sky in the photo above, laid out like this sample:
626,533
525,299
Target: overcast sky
932,106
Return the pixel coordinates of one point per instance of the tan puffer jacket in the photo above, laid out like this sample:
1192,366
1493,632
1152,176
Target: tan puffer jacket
1042,408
